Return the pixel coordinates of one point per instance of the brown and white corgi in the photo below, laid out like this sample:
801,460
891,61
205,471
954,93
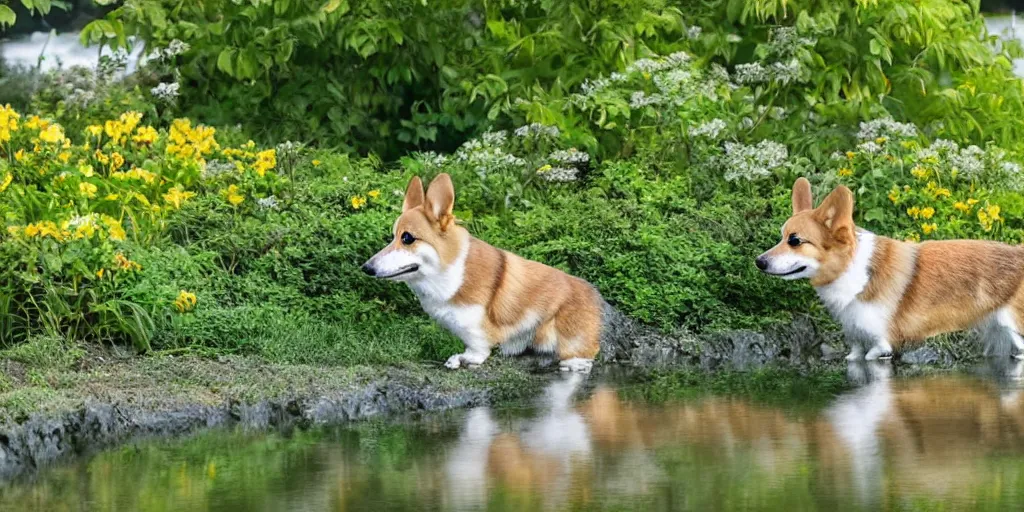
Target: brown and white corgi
485,296
888,293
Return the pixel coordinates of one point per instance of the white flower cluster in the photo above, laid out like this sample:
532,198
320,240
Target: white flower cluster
785,42
886,127
571,156
656,64
174,48
486,155
267,203
870,147
753,162
536,130
694,32
432,160
776,72
288,149
558,174
166,91
215,168
711,129
640,99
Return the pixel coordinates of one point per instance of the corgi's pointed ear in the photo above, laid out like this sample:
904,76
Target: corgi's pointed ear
440,200
802,195
836,212
413,194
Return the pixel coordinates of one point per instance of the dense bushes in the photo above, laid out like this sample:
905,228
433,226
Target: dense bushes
389,76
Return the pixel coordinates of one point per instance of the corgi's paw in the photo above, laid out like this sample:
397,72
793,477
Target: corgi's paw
576,364
856,354
879,352
454,362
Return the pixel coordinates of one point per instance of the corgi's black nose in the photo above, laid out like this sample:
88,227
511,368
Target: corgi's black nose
368,270
761,262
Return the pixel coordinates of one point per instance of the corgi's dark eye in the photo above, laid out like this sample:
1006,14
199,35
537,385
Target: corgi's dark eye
794,240
407,238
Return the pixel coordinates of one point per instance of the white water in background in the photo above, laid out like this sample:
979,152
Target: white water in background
51,51
1008,27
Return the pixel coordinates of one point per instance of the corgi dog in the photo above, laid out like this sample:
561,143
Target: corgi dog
487,297
887,293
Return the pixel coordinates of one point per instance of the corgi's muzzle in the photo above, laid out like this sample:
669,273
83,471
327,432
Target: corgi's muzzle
408,269
786,266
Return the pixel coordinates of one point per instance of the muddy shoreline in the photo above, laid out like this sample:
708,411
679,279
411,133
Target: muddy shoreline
251,395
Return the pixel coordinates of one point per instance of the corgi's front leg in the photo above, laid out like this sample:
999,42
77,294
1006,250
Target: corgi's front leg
880,350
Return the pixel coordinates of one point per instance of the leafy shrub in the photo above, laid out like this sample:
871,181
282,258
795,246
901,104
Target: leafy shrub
76,213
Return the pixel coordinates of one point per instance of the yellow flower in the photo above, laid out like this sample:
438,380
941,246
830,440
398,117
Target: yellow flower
112,197
913,237
31,230
374,194
928,212
265,160
914,211
8,122
99,273
942,192
177,196
36,123
881,140
919,172
87,189
993,212
358,202
146,136
233,196
928,228
101,158
845,172
962,206
316,163
972,201
116,161
64,157
54,134
86,170
7,181
186,301
850,155
544,168
114,228
894,194
94,130
124,263
20,155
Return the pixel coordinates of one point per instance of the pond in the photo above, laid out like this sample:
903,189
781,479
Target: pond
895,443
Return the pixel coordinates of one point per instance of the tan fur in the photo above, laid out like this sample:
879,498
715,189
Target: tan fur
934,287
510,288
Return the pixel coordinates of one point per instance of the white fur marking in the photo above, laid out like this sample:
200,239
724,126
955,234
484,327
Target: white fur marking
999,332
860,320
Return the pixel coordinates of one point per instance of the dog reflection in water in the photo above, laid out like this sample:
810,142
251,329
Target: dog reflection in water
888,436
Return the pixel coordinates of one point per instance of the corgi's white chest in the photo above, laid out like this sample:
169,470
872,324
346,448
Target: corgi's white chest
463,321
864,319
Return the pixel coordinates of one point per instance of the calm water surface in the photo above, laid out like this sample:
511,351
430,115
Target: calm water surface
952,442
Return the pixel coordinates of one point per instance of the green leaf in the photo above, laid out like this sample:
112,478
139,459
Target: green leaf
875,214
225,61
7,16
